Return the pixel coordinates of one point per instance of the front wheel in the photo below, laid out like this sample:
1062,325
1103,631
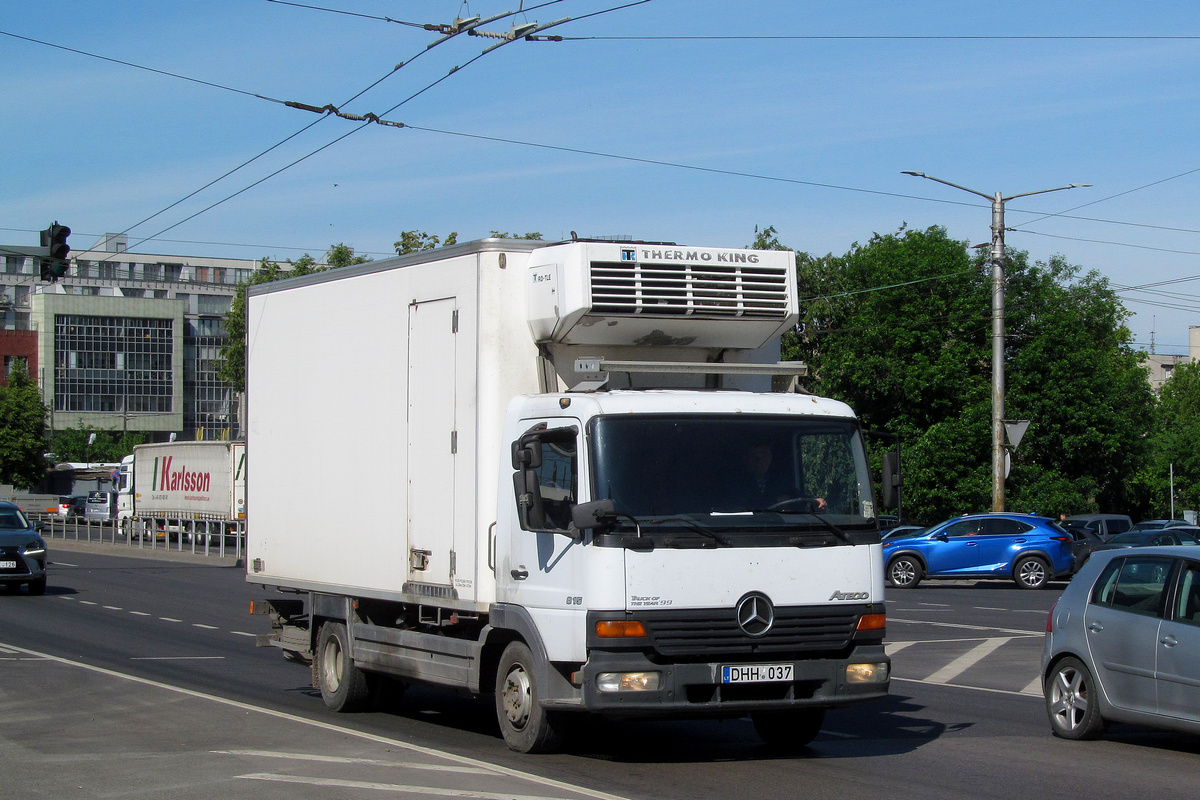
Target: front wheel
526,725
904,572
343,686
37,585
1071,701
1031,572
788,730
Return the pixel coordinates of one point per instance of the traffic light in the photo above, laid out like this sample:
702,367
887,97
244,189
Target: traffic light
55,265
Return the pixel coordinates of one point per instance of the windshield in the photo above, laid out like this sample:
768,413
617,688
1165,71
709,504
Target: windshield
734,473
11,519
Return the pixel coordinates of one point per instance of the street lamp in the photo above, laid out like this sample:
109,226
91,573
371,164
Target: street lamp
997,260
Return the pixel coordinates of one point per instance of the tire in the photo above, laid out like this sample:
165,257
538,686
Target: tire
1031,572
788,730
343,686
1072,701
12,588
905,572
37,586
526,725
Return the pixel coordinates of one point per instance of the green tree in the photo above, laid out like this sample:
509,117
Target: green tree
340,255
417,241
537,237
22,430
1175,445
111,446
900,329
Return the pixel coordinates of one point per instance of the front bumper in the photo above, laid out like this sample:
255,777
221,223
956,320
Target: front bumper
696,690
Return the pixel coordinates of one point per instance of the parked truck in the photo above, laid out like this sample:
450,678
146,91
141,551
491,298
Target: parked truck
601,506
183,488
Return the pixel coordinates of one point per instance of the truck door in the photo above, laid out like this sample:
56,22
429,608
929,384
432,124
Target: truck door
432,439
542,563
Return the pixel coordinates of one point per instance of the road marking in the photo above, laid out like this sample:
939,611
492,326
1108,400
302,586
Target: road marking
329,726
1034,687
1010,692
392,787
170,619
141,613
375,762
206,627
895,647
63,564
243,633
967,660
89,603
179,658
114,608
965,627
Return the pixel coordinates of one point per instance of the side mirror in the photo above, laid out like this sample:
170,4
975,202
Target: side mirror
891,479
596,514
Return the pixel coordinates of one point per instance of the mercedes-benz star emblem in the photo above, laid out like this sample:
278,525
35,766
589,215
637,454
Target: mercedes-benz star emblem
755,614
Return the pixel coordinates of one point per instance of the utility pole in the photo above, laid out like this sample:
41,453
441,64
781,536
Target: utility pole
997,263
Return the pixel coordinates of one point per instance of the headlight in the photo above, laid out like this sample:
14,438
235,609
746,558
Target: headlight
867,673
35,549
629,681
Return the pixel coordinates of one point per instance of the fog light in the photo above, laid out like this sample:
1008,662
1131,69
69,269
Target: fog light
629,681
866,673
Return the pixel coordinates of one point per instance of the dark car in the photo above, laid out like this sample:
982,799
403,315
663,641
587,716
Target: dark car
1123,644
1182,535
1158,524
22,551
1027,549
72,505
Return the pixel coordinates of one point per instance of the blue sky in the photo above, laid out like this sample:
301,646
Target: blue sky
808,133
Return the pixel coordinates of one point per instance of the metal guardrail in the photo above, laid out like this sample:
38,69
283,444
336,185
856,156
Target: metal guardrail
197,536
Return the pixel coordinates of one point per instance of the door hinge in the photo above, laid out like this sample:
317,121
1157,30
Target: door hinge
453,562
453,442
454,321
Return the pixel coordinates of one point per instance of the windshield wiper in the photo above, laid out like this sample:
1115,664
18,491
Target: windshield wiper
829,526
691,525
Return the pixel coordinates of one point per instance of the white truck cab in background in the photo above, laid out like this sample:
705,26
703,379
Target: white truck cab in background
602,506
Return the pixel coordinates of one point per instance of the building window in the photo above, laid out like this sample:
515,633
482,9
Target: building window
113,364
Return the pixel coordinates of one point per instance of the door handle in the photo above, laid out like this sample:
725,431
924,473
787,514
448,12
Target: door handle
1095,627
519,574
1169,641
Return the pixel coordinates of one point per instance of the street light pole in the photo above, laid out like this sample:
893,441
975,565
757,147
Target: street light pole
997,262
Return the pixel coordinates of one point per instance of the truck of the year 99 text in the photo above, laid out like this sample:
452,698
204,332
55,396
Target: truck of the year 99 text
585,496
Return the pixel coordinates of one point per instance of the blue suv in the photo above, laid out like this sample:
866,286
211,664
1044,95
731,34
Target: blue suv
1030,550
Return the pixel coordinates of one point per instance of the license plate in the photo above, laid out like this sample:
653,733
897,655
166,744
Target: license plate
8,565
756,673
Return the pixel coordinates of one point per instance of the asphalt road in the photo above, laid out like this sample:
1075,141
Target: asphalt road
140,677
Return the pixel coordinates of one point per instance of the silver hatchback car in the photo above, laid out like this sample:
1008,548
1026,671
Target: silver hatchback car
1123,643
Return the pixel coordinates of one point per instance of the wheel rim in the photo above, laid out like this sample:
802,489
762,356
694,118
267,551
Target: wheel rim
331,664
1068,699
903,572
1032,573
517,697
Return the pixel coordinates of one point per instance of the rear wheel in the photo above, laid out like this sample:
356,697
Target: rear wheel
527,726
343,686
1031,572
788,730
904,572
1071,701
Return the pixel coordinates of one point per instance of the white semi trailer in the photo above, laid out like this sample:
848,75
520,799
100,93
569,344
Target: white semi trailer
197,487
582,521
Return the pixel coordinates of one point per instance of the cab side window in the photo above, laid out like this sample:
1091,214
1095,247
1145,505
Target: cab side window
557,479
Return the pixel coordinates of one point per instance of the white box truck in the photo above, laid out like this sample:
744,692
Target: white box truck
592,500
183,487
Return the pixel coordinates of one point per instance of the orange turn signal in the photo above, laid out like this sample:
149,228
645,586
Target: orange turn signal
872,622
619,629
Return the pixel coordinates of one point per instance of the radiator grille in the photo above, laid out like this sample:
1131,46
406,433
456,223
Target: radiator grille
715,632
708,290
